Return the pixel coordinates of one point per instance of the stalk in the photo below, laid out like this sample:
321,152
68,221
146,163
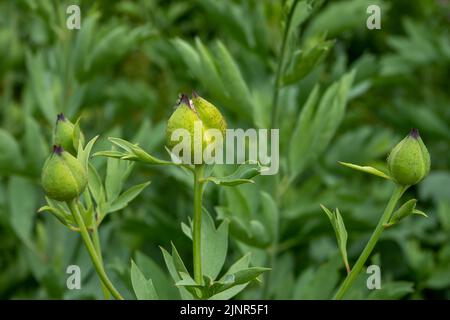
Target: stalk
396,195
91,249
98,250
280,66
274,123
197,233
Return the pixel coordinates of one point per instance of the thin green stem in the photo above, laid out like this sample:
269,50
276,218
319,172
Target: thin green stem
197,233
274,123
91,249
396,195
280,66
98,250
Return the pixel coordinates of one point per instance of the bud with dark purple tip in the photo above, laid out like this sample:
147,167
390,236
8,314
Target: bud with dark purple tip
63,176
66,134
409,161
190,114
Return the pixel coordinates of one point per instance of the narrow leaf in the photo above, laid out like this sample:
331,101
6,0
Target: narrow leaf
142,287
366,169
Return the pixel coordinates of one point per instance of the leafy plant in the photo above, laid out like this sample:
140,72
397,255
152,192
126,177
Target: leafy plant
337,92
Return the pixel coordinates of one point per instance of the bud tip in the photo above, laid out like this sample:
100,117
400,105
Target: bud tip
60,117
414,133
58,150
184,99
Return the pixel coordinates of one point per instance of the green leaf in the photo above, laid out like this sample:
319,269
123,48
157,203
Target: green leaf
121,38
125,198
35,145
116,173
96,185
407,209
22,208
142,287
301,12
187,281
236,278
161,280
306,61
236,86
57,213
228,293
331,18
366,169
246,275
133,152
210,76
190,57
270,215
318,283
243,174
214,245
239,265
341,233
43,92
78,138
10,156
176,267
317,124
85,152
111,154
392,291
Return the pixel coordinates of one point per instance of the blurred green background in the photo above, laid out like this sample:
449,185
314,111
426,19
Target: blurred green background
122,73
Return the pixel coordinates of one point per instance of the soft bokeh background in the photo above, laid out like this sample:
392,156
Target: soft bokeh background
123,71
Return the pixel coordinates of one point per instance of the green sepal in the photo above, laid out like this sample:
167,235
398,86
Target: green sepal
341,233
407,209
367,169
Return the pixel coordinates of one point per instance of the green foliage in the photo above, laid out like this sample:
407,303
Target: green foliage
346,93
143,288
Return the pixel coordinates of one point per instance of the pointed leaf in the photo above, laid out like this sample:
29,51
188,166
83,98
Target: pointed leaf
142,287
366,169
341,233
128,196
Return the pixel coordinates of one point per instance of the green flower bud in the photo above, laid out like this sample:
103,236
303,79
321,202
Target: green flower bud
208,113
191,113
409,160
63,176
66,134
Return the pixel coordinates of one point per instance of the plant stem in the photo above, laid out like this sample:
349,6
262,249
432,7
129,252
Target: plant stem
197,232
274,123
396,195
280,66
91,249
98,250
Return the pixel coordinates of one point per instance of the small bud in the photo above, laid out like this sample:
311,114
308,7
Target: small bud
409,160
63,176
66,134
192,113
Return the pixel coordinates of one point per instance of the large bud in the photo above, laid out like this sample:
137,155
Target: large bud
63,176
195,118
409,160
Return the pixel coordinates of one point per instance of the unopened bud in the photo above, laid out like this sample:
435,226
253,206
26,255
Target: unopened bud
409,160
191,115
63,176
